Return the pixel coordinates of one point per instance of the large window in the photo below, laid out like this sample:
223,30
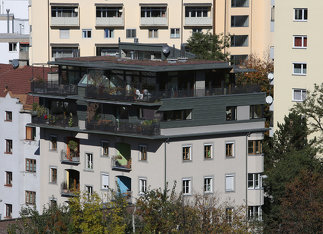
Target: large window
103,12
65,52
300,14
239,21
231,113
30,133
239,40
64,11
229,182
30,197
300,41
8,178
255,147
299,68
239,3
208,184
187,153
256,111
30,165
177,115
142,185
196,11
299,95
8,146
153,12
186,186
254,180
238,59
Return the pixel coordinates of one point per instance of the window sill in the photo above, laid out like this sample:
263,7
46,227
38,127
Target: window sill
7,217
30,172
104,156
229,157
187,194
7,152
88,170
30,140
230,191
299,20
6,120
298,74
208,159
207,193
53,183
261,154
52,150
8,185
187,160
298,100
295,47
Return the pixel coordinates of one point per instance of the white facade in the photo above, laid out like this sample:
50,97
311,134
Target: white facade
14,194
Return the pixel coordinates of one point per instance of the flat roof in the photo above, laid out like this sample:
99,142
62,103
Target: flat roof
111,62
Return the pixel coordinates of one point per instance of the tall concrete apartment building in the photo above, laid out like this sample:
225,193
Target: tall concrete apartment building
136,124
297,58
88,28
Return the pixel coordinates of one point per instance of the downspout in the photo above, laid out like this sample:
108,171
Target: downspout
248,134
8,30
251,18
13,24
182,28
48,13
225,21
165,164
214,8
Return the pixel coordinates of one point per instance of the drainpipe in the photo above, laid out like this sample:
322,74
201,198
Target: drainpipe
182,28
165,165
8,10
13,24
225,21
248,134
214,8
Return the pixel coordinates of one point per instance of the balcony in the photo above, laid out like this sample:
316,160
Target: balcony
71,186
65,21
109,22
69,191
153,21
120,163
62,120
72,158
198,21
53,88
145,127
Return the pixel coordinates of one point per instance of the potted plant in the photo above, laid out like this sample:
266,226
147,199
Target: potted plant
73,146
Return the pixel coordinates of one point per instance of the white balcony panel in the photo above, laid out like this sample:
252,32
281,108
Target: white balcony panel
109,21
198,21
65,21
255,197
154,21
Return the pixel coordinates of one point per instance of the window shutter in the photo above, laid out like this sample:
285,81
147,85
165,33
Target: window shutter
105,181
229,183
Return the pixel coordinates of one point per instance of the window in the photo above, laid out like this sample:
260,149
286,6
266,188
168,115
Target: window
229,215
89,161
196,30
30,133
300,14
229,183
256,111
8,116
299,68
143,152
131,33
105,148
8,178
86,33
65,52
153,12
64,33
300,41
299,95
177,115
89,190
30,197
239,21
238,59
196,11
239,40
186,187
231,113
229,149
108,33
254,212
108,12
208,151
187,153
142,185
53,143
104,181
174,33
153,33
53,175
8,147
30,165
8,210
12,46
64,11
254,180
255,147
239,3
208,185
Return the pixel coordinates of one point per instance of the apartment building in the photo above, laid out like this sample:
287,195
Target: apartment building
20,166
297,63
112,122
87,28
14,31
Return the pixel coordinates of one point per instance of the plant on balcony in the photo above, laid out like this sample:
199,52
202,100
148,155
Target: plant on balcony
70,121
92,109
73,146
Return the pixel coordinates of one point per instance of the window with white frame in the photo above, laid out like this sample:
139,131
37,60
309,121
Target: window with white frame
89,190
108,33
299,68
197,11
61,11
299,95
30,197
300,14
254,180
208,151
108,12
86,33
229,182
53,175
153,12
104,181
300,42
187,153
30,165
89,161
105,148
186,189
208,184
174,33
254,212
142,185
12,46
229,149
142,152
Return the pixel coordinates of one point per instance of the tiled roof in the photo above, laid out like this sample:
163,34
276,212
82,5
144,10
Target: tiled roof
17,82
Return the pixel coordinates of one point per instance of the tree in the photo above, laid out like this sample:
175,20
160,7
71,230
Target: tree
209,46
312,109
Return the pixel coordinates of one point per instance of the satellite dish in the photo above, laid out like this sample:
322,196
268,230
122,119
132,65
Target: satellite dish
15,63
270,76
166,50
269,99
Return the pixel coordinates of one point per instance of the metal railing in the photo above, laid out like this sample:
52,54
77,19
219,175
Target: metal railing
56,120
53,88
117,165
69,191
71,158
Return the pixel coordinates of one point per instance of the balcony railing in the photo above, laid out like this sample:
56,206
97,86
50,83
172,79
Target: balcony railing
118,162
146,127
109,21
56,120
65,21
69,191
53,88
121,94
198,21
72,158
153,21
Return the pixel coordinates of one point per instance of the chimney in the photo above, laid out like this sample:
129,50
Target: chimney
8,10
